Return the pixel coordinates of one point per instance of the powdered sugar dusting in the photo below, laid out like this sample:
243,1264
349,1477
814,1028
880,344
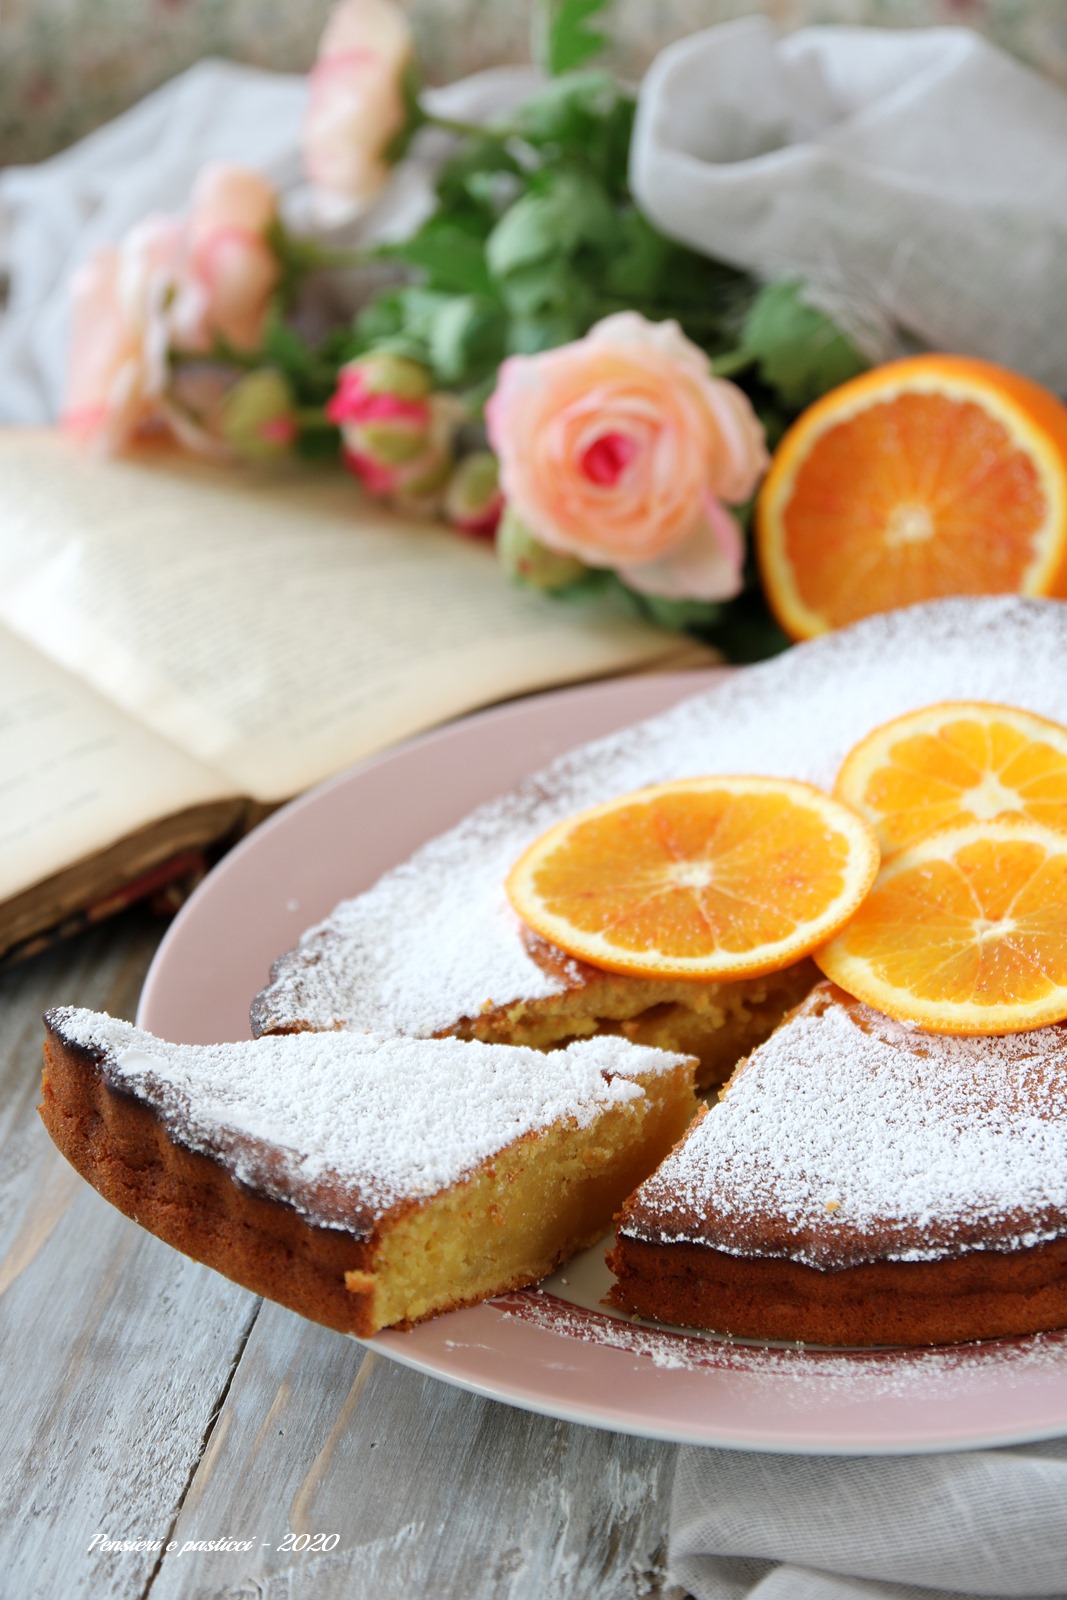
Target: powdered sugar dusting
344,1125
435,939
848,1137
803,1374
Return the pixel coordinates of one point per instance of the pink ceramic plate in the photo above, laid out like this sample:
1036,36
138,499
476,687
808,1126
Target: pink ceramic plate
555,1349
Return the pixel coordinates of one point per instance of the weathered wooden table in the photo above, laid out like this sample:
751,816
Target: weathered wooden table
147,1401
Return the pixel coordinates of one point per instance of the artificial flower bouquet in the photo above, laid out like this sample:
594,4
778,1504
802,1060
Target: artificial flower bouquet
536,362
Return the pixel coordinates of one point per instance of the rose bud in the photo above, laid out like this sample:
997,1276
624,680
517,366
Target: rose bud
383,408
473,501
413,477
258,416
526,560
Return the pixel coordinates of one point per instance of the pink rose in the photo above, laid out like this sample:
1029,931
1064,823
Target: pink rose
621,448
173,283
230,270
117,364
357,104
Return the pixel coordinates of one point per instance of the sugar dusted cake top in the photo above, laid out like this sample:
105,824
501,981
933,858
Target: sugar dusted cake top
848,1137
345,1125
435,939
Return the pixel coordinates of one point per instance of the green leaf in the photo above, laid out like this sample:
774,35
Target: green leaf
801,353
747,632
536,228
310,370
564,110
401,321
467,339
479,180
529,335
680,616
584,119
566,210
451,256
639,268
380,318
284,348
569,40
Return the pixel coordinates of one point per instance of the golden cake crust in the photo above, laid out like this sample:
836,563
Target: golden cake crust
191,1202
984,1295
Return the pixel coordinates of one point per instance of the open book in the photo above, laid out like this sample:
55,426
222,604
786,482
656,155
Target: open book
183,646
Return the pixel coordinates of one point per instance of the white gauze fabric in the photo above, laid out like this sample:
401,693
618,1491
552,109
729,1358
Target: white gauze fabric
937,1527
916,180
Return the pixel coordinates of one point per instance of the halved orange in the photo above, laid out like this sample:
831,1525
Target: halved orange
708,878
955,763
965,933
934,476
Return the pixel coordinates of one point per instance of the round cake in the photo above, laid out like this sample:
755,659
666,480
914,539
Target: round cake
860,1182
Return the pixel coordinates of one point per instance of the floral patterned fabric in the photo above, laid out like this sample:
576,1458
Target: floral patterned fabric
68,65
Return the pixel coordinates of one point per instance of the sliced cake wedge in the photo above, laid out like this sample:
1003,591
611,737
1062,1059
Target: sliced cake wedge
363,1182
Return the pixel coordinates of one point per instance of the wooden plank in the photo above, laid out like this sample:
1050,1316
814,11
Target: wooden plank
432,1491
150,1402
116,1350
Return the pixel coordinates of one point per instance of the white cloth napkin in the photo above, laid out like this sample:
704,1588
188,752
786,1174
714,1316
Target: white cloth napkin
917,180
54,214
937,1527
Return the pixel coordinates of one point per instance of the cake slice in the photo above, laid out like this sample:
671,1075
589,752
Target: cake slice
861,1182
362,1182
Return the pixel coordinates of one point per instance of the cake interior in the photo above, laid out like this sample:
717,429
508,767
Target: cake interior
544,1198
716,1023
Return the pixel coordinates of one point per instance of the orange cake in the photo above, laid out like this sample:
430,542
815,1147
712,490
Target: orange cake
434,948
362,1182
861,1182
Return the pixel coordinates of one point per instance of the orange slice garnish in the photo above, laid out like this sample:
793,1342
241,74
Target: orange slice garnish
708,878
956,763
934,476
964,933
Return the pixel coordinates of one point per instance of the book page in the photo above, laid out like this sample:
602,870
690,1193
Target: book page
275,627
75,773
